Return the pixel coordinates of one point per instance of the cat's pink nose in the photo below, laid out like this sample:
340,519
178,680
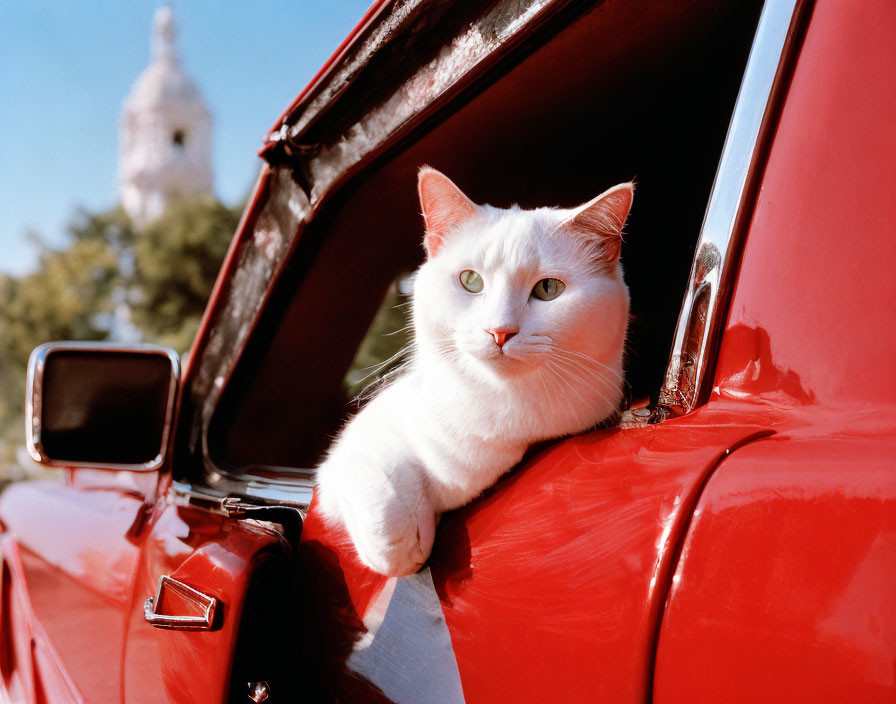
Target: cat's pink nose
502,336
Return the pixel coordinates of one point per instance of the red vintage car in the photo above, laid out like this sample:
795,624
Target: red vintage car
733,539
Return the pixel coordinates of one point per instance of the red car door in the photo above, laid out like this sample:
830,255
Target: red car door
70,553
552,582
221,557
79,562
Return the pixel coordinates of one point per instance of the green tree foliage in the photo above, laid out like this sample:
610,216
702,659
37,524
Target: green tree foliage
66,298
112,227
176,261
164,272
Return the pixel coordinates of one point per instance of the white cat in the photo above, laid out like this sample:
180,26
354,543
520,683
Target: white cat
520,319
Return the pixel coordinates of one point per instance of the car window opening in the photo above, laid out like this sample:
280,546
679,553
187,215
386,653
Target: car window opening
574,118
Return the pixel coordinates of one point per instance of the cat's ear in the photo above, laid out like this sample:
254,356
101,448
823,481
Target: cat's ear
444,207
601,221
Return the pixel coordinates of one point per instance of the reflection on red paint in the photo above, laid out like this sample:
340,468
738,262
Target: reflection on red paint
786,579
759,379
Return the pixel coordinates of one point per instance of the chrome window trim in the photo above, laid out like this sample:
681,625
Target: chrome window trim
34,385
689,375
236,497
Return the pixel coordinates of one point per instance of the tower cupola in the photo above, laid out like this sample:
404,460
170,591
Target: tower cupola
165,132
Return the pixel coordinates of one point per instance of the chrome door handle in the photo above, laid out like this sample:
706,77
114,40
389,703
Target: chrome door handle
192,610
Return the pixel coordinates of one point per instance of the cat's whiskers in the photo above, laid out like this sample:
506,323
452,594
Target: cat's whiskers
405,328
561,377
445,348
548,377
620,380
583,361
588,358
376,368
399,362
581,365
548,395
526,350
586,412
544,377
565,370
594,373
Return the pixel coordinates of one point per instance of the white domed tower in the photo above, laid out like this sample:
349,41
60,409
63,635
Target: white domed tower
166,133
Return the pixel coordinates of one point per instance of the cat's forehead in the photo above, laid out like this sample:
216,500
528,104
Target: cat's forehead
514,238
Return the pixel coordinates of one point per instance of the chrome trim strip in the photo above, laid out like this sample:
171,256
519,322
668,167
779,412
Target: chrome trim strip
293,491
248,496
33,403
691,364
202,622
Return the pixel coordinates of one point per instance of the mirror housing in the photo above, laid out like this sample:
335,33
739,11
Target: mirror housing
101,405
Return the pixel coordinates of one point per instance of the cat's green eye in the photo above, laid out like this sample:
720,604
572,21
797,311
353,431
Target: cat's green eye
548,289
471,281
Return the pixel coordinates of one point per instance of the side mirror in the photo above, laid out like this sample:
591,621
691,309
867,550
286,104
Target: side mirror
101,405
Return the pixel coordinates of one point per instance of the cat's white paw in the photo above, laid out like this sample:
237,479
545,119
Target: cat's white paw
396,540
399,559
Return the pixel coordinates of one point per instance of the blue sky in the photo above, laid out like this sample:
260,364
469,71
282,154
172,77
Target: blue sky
66,67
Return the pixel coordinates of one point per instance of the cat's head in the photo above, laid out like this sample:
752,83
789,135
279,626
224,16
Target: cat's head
505,293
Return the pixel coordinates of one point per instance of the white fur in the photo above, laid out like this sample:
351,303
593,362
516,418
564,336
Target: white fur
465,410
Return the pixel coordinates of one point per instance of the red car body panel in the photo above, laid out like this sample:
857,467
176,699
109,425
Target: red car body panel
73,581
785,587
87,584
742,552
537,605
573,605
